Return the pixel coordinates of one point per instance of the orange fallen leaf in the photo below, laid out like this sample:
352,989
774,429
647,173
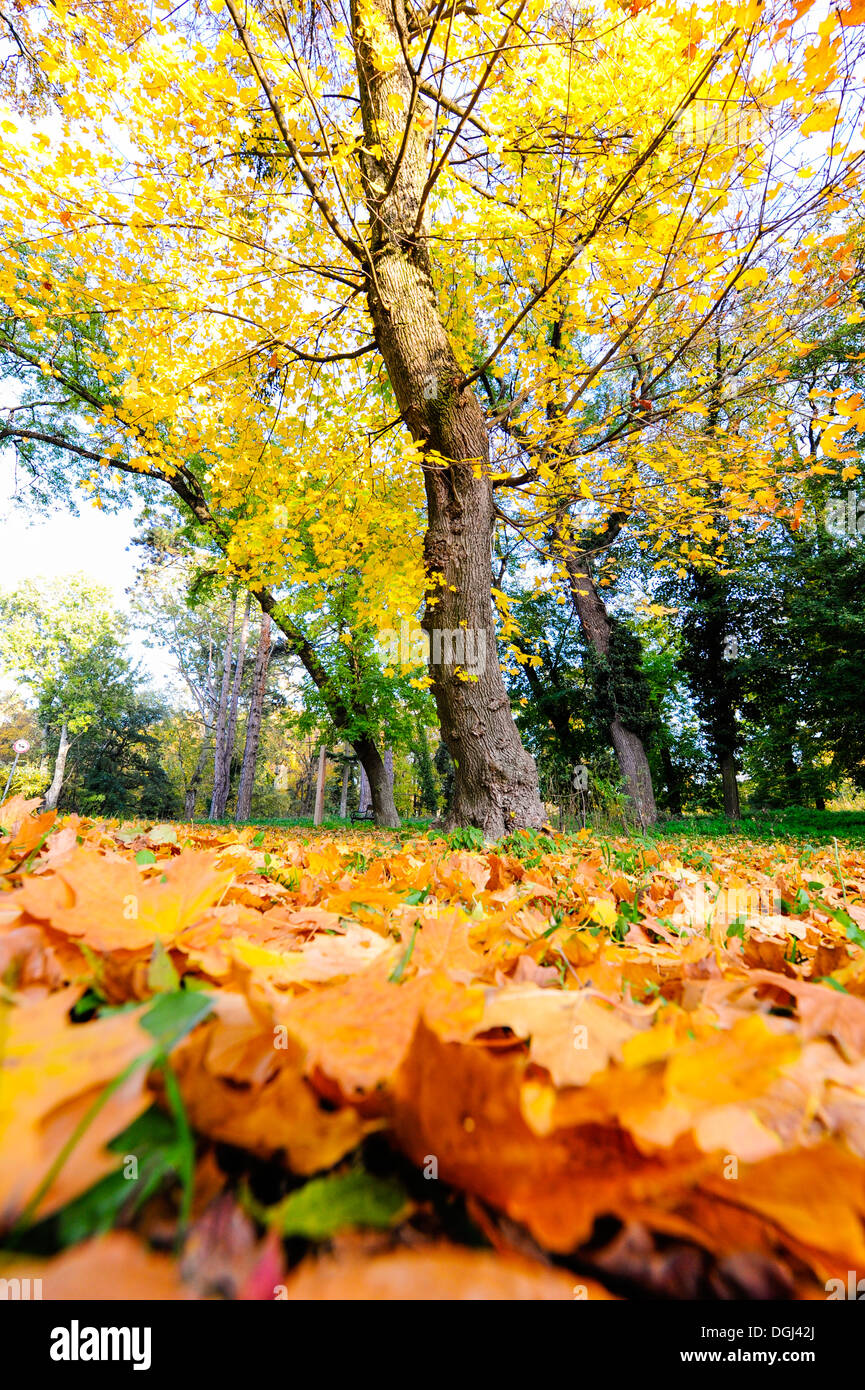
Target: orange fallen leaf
439,1272
114,906
113,1268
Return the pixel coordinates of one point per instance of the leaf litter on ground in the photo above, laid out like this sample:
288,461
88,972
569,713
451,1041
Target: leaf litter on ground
258,1063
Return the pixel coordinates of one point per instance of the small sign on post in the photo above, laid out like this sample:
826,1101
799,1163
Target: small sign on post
19,747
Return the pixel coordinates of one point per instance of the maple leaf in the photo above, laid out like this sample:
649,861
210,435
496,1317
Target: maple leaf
23,832
570,1035
53,1072
239,1087
853,12
111,905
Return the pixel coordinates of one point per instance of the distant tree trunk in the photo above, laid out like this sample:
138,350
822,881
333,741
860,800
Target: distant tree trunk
673,779
543,683
715,647
380,785
253,722
794,791
339,708
365,793
231,720
217,798
596,624
425,775
710,659
343,791
732,809
306,788
52,795
191,793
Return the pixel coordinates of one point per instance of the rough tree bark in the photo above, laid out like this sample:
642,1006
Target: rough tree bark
496,782
253,722
222,714
52,796
630,752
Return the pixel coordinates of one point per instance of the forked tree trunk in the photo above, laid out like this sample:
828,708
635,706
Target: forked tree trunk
253,722
630,752
496,782
52,796
221,717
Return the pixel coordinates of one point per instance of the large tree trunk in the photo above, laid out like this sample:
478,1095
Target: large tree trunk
631,754
52,795
496,783
712,672
253,722
217,797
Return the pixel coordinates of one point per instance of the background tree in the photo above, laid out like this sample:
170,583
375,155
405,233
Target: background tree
63,640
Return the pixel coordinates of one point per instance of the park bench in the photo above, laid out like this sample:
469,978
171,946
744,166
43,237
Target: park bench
368,814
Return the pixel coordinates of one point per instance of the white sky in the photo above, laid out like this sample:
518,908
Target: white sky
94,543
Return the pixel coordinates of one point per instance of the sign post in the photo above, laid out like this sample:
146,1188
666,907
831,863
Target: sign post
19,747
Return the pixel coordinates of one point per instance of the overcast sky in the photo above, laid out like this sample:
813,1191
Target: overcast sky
95,543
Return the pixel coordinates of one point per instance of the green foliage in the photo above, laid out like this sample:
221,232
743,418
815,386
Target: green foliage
800,824
529,846
326,1205
115,766
466,837
63,639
